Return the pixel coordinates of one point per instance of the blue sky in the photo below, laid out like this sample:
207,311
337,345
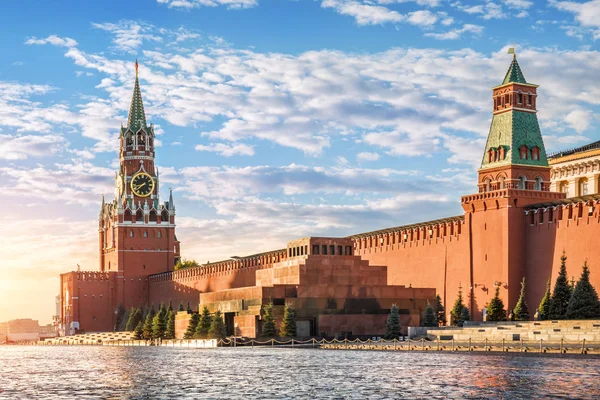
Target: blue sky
277,119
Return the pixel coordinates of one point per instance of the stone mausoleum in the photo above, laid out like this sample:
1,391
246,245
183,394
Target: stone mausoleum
527,209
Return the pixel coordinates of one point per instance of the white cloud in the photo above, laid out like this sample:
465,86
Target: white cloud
457,33
579,119
53,39
22,147
422,18
129,35
227,150
364,13
367,156
188,4
587,14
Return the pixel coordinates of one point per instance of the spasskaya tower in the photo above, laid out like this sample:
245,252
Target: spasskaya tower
137,231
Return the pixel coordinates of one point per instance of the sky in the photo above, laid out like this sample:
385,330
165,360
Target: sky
277,119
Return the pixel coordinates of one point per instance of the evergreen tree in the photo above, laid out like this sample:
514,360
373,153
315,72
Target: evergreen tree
189,309
584,302
191,329
457,309
440,312
131,324
521,311
170,332
561,294
170,306
203,324
429,317
159,324
139,331
288,325
464,316
495,310
217,327
268,326
544,307
393,324
181,306
147,330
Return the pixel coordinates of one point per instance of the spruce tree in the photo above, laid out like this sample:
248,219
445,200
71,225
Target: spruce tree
457,309
561,294
268,326
217,327
159,324
584,302
495,310
191,329
521,311
131,324
544,307
139,331
393,324
170,306
464,316
181,306
189,309
288,325
429,317
147,330
170,333
440,312
203,324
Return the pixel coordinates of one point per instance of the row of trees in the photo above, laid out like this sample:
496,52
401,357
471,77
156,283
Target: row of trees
568,300
206,326
288,324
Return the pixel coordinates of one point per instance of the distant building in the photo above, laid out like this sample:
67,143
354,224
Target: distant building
25,329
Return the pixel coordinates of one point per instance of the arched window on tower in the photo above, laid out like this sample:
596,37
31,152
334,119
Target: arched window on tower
523,152
501,153
164,217
127,215
535,153
139,216
538,183
152,216
583,186
492,154
522,182
159,234
487,184
502,182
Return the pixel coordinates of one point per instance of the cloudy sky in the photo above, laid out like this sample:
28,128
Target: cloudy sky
277,119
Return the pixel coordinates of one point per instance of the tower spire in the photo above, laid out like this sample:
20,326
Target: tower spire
137,115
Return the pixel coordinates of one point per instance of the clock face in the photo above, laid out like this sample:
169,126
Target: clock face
142,184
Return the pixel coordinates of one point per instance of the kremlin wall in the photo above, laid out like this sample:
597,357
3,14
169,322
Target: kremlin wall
526,210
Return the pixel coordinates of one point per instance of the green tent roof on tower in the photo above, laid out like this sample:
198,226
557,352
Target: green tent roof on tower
137,116
514,74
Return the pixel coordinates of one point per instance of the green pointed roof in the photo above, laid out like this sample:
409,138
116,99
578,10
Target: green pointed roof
137,116
514,74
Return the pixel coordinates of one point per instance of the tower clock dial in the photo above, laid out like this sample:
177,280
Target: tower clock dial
142,184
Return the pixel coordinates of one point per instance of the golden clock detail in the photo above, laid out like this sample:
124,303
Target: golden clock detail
142,184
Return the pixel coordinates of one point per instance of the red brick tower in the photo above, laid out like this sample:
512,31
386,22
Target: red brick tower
514,173
137,232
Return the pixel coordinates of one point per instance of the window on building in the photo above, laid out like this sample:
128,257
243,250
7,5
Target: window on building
324,249
145,234
315,249
538,183
131,233
332,250
522,182
529,97
520,98
159,234
523,152
583,187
